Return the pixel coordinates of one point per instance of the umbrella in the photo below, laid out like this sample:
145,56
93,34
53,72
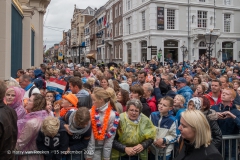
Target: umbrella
112,63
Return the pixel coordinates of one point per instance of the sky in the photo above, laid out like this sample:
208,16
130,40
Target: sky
58,18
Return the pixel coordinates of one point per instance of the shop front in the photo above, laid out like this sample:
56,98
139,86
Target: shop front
171,50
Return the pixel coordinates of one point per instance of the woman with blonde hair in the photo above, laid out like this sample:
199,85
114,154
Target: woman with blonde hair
196,135
104,119
118,105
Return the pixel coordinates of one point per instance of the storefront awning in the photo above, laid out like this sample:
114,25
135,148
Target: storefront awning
91,54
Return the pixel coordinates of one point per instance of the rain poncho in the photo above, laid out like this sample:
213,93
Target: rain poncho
132,134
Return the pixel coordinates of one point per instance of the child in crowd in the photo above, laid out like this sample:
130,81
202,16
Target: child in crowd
178,102
166,125
57,107
49,108
50,96
69,103
78,125
53,138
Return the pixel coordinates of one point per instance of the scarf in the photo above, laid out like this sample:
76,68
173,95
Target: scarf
63,111
73,127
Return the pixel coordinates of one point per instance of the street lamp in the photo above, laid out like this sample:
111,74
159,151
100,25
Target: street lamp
184,50
210,39
159,54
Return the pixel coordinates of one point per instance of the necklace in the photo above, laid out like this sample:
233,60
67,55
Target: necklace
99,130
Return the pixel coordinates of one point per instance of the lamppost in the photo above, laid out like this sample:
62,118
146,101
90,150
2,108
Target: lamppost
210,39
159,55
184,50
80,50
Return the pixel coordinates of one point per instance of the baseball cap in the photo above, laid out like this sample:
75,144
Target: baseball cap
181,80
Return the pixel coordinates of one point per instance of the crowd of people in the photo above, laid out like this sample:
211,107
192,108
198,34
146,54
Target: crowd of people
120,111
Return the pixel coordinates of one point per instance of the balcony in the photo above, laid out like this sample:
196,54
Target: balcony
200,32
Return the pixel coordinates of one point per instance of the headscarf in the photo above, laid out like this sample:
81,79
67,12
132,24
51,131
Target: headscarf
197,102
17,104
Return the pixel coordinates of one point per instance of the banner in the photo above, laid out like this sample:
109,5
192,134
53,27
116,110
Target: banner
56,85
160,18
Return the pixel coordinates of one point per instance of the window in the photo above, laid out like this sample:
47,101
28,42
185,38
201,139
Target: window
116,29
201,0
144,51
170,19
202,19
120,28
128,25
128,5
81,18
227,22
129,53
143,21
227,2
110,14
116,12
120,9
120,51
227,51
115,53
202,44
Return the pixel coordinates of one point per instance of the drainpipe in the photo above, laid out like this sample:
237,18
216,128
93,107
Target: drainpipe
189,54
215,26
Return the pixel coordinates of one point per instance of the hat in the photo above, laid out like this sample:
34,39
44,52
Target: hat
111,68
171,94
38,73
125,86
50,126
71,98
124,78
130,70
181,80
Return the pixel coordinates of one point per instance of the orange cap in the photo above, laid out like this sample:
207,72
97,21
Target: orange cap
72,98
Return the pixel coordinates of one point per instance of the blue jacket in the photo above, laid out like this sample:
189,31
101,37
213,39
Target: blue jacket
167,123
187,93
178,117
228,126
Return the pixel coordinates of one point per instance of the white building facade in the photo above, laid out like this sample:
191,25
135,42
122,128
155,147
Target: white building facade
170,24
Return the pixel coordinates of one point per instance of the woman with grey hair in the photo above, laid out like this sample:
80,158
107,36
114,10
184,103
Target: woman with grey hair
134,134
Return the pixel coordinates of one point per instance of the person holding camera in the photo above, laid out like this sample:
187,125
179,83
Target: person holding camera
228,119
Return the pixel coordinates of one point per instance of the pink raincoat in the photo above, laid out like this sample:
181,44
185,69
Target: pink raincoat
28,128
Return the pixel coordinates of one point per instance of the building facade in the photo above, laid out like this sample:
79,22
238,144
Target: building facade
168,25
21,35
80,18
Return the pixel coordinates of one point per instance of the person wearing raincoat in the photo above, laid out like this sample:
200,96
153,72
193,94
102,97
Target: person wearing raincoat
134,134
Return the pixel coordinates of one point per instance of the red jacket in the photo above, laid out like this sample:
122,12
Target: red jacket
152,103
212,102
